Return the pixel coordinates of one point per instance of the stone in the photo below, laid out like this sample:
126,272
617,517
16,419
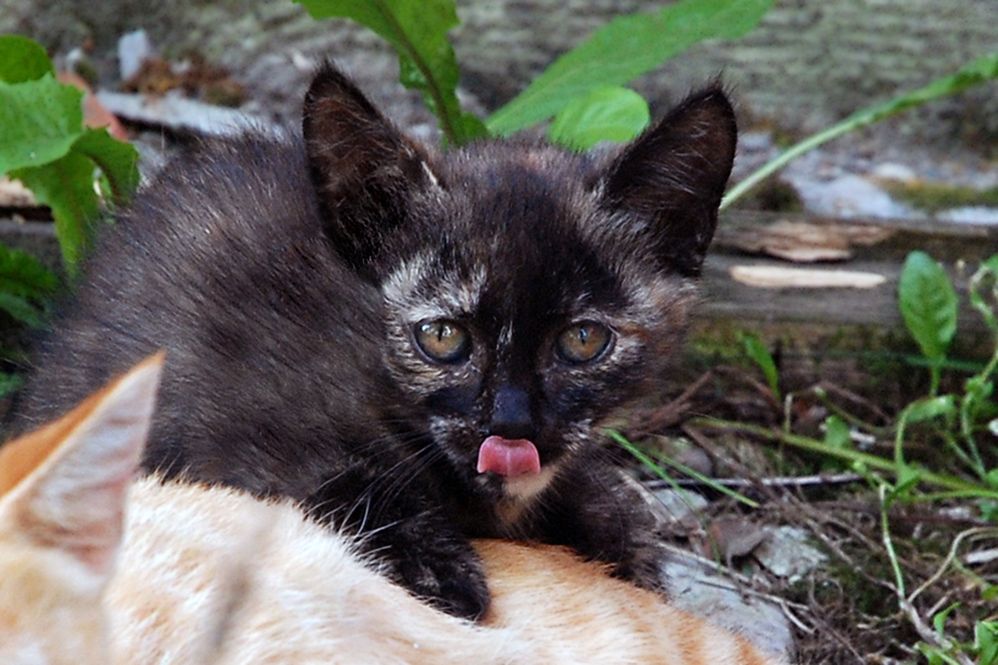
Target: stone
134,48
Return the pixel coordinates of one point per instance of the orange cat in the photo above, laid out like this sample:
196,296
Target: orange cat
215,576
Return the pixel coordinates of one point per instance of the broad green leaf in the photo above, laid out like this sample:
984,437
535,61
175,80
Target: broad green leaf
928,304
605,114
22,59
624,49
417,30
116,159
39,122
66,186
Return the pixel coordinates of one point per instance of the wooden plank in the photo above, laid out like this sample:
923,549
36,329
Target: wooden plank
868,246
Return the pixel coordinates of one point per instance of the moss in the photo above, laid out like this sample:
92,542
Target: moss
936,196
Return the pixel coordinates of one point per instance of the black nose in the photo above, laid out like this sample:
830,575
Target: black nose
511,414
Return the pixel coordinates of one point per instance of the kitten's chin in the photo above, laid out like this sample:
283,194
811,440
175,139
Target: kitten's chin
519,493
525,487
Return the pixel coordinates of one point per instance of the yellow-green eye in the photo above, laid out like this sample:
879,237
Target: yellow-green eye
443,341
583,342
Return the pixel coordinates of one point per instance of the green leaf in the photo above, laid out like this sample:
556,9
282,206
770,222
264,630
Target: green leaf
39,122
67,186
24,285
116,159
837,433
23,275
939,620
758,352
22,59
605,114
10,383
417,30
929,408
622,50
986,273
20,309
928,305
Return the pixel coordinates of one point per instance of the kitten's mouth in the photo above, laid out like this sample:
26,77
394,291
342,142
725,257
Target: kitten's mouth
509,458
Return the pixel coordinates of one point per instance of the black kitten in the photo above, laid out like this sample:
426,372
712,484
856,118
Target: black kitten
420,347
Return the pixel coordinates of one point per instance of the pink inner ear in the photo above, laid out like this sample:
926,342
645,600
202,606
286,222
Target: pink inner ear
508,457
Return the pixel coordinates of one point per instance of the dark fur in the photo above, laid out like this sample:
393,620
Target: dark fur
269,271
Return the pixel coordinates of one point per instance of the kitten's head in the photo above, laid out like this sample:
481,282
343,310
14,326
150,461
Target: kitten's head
62,495
528,290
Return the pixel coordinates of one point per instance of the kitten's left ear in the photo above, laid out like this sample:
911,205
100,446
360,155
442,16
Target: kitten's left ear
362,167
674,176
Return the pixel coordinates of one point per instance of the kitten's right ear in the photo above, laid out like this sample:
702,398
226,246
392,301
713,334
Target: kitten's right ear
63,486
363,168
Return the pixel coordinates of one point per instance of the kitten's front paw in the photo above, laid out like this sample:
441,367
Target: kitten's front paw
446,574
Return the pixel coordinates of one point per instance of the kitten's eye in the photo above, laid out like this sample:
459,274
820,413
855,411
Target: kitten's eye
583,342
443,341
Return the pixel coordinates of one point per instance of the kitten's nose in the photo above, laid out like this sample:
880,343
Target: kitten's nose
511,414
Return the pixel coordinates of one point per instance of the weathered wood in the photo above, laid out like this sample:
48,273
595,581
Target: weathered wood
876,247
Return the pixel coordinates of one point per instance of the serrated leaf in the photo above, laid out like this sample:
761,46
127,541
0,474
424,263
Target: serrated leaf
928,304
116,159
39,122
605,114
418,33
22,59
66,186
622,50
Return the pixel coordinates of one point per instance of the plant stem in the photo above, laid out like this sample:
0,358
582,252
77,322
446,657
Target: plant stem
978,71
872,461
651,464
447,124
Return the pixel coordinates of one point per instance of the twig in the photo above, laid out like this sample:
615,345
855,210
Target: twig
950,556
670,413
776,481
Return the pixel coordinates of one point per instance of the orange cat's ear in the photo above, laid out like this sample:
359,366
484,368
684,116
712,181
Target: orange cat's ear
64,486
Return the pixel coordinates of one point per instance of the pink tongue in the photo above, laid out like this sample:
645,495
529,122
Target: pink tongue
508,457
